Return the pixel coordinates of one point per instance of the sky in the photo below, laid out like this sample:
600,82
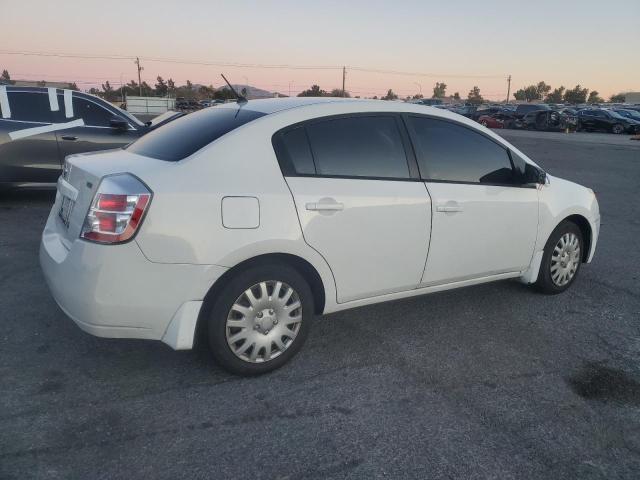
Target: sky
461,43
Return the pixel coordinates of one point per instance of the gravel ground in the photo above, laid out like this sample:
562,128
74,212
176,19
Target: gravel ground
493,381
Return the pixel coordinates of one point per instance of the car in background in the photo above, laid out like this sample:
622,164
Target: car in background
485,110
627,113
491,121
500,119
39,127
597,119
465,110
238,224
548,121
525,108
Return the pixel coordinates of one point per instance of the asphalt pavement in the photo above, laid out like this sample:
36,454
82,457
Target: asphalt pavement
493,381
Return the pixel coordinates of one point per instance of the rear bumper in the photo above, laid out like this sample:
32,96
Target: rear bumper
114,291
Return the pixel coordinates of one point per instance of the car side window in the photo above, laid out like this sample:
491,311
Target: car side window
360,146
93,114
451,152
298,151
29,107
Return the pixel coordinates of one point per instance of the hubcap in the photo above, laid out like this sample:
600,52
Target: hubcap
565,259
264,321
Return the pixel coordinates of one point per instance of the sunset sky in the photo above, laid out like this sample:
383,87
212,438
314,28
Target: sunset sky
461,43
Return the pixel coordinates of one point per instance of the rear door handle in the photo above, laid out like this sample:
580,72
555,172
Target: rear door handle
333,207
69,137
449,208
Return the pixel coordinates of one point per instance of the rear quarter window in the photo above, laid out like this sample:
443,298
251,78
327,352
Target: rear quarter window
186,135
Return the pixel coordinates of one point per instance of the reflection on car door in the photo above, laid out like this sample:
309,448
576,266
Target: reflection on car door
484,223
31,159
359,205
95,134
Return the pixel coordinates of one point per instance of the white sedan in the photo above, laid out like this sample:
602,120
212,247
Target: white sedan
238,224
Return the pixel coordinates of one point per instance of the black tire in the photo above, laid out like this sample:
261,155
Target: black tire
217,320
617,129
545,283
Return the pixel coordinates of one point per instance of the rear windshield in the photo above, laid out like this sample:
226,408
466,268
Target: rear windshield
186,135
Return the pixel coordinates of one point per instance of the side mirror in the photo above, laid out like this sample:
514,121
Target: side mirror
119,124
534,175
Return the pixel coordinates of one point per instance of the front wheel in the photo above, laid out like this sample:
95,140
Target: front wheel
260,320
617,129
561,259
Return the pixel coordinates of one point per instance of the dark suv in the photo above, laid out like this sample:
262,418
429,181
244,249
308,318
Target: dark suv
39,127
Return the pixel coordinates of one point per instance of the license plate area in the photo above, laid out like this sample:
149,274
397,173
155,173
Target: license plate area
66,206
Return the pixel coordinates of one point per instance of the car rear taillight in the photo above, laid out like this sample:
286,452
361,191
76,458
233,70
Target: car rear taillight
117,209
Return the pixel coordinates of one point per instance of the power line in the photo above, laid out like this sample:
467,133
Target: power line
249,65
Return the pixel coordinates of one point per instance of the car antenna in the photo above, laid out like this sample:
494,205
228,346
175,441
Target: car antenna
240,98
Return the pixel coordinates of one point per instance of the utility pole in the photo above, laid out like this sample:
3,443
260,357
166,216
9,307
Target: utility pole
137,62
508,87
344,74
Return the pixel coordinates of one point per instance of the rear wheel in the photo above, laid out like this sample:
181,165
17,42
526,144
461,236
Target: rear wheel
561,259
260,320
483,123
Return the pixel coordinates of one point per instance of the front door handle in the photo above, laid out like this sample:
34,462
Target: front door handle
449,208
72,138
333,207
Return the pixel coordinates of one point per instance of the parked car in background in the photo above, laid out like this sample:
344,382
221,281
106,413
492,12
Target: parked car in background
487,110
241,222
39,127
596,119
525,108
465,110
627,113
548,121
500,119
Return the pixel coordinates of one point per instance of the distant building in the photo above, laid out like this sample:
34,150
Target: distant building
632,97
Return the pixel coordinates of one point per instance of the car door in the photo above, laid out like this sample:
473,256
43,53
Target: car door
96,133
360,201
27,154
484,221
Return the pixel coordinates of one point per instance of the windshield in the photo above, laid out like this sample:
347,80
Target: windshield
128,116
616,115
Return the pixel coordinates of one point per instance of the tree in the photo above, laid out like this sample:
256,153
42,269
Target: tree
532,92
390,95
576,95
418,96
223,94
161,87
74,86
595,98
618,98
171,86
94,91
108,93
542,89
456,96
147,91
556,96
474,96
439,90
314,91
6,78
338,92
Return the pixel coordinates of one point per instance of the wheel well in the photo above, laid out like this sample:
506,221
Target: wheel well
585,229
303,267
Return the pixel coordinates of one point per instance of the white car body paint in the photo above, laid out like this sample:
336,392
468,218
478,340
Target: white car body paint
386,242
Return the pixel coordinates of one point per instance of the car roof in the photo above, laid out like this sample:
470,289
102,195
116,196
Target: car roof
273,105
